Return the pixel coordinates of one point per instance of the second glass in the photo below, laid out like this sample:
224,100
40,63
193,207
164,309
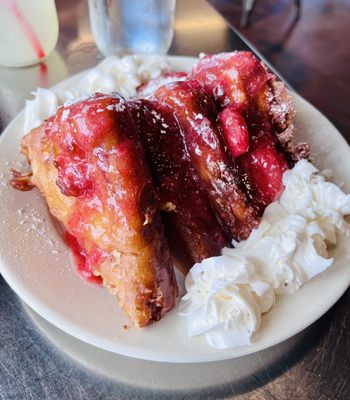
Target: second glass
132,26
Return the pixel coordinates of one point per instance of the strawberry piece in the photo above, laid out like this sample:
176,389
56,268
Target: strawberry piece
234,129
265,166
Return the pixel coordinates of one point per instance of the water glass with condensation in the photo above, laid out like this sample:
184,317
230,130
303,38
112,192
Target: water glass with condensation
28,31
132,26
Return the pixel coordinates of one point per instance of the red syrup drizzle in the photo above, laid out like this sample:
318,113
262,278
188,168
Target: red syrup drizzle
43,75
81,261
27,29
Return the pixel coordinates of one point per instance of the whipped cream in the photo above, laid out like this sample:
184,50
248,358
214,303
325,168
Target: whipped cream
123,75
43,105
225,299
226,295
114,74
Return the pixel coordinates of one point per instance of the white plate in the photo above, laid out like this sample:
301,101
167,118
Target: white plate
36,264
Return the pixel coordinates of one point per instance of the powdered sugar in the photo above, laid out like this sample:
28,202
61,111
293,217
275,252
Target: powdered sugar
26,221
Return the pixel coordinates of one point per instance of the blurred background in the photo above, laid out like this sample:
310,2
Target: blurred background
309,46
307,41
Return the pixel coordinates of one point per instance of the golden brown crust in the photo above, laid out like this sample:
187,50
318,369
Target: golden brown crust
96,182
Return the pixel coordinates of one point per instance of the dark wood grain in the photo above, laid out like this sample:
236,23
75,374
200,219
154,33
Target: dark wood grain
312,53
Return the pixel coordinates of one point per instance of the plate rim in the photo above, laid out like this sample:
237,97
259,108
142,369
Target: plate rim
60,322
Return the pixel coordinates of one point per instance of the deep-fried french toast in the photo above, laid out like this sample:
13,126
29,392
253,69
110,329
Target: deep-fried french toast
89,163
252,101
188,216
206,150
196,112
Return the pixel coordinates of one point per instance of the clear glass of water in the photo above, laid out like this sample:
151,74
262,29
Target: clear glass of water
132,26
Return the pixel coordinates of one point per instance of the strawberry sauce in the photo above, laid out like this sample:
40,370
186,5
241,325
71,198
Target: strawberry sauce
81,261
242,88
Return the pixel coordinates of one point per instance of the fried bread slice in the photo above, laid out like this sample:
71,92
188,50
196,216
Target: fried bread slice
190,222
89,164
218,173
250,99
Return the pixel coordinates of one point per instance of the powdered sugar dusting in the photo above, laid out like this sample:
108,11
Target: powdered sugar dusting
65,115
74,100
25,220
2,180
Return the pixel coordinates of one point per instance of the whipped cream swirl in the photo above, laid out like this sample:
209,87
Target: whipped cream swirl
226,295
43,105
225,299
114,74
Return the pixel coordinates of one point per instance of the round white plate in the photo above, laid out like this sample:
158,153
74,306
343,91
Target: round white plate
36,263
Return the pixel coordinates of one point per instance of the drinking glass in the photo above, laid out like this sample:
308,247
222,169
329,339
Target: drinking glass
132,26
28,31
